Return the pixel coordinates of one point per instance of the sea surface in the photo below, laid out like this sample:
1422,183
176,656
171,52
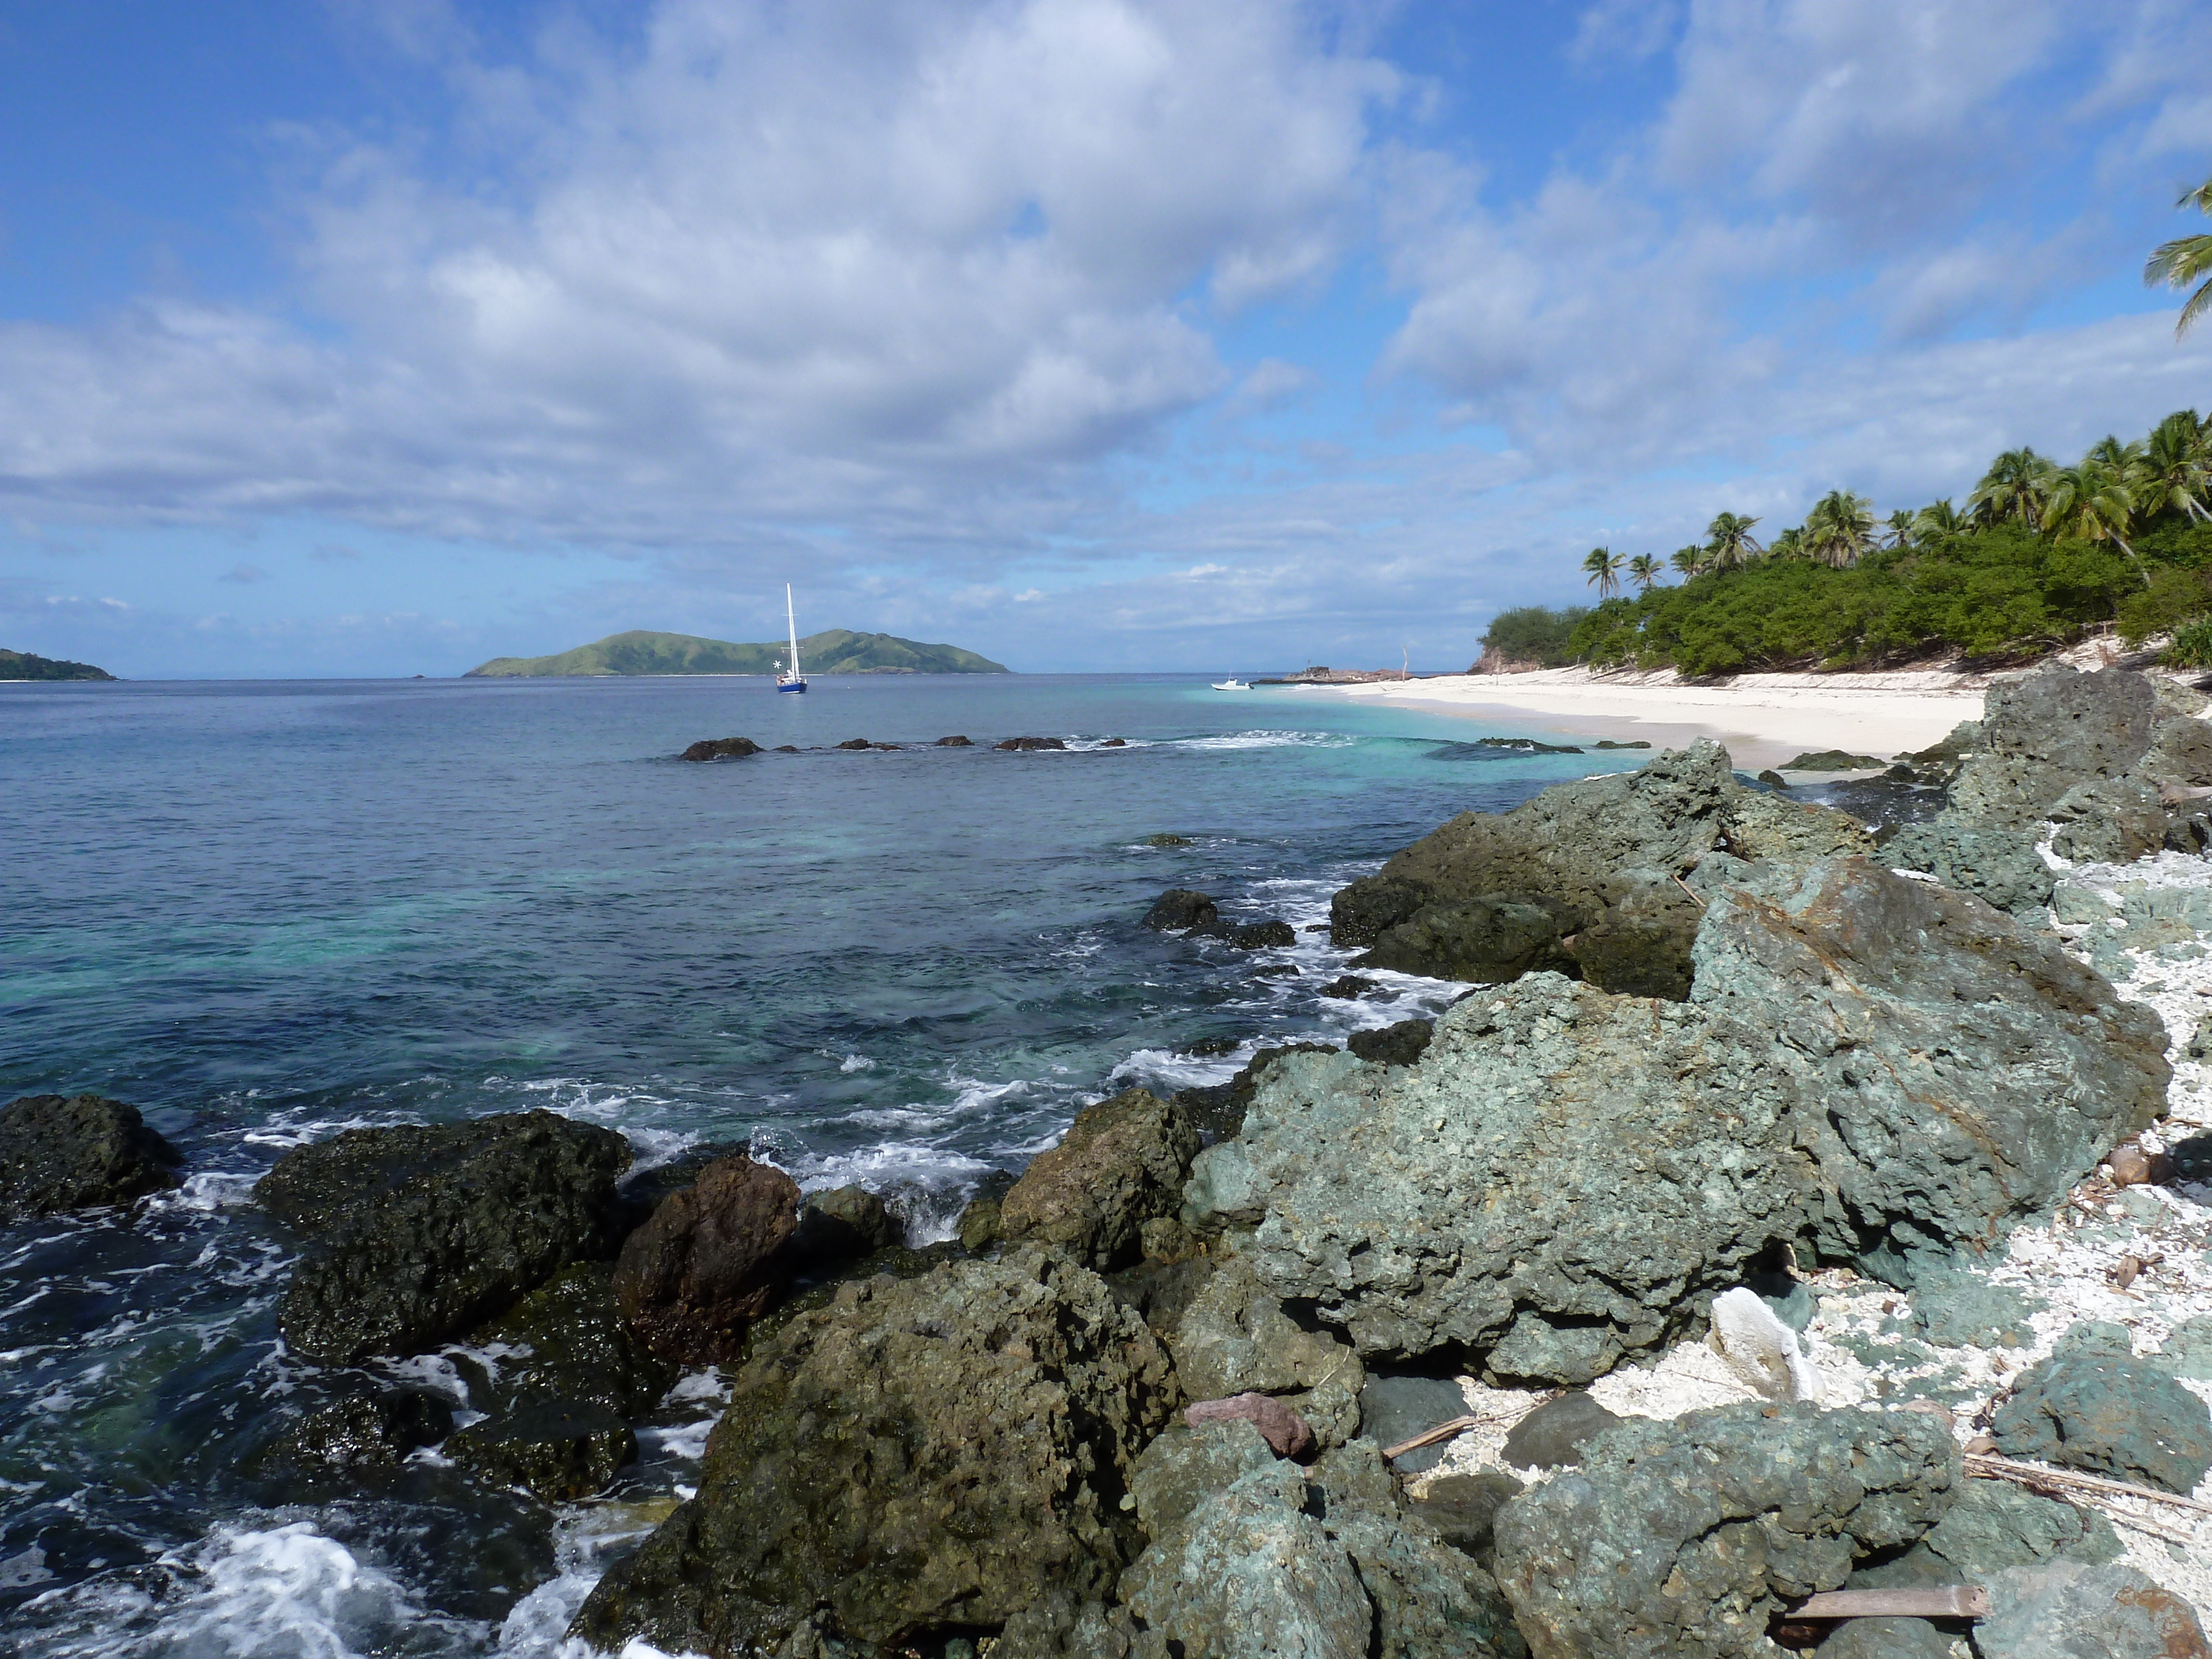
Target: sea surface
264,912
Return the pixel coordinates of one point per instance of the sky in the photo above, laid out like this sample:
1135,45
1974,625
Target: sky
358,337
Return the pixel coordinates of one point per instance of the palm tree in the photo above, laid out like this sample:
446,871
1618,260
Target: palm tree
1789,544
1839,528
2182,261
1730,542
1898,533
2093,501
2013,488
2175,470
1603,569
1643,570
1689,560
1937,519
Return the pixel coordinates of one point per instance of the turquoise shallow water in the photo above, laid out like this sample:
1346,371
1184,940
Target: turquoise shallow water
264,911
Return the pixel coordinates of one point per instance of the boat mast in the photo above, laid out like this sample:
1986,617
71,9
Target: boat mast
791,617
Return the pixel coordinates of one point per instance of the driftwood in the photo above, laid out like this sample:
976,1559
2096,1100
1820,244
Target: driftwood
1457,1425
1951,1602
2029,1474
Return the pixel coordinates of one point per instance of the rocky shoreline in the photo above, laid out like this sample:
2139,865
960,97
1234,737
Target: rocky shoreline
1778,1194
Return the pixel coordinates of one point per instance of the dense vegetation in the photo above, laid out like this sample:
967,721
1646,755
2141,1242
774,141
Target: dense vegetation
1532,634
2041,554
833,651
23,665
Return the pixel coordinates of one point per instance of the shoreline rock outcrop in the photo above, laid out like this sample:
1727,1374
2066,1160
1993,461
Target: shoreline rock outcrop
60,1152
691,1278
1121,1163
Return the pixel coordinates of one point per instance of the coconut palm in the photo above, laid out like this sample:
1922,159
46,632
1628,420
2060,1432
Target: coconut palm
1937,519
2184,260
1689,560
2174,473
1839,528
1602,566
2094,502
1789,544
1898,528
1730,542
1643,570
2013,488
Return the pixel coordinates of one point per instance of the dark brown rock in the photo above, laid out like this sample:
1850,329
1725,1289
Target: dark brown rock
1283,1429
1402,1044
954,743
689,1279
1179,910
78,1153
709,748
560,1451
1121,1163
1033,742
855,743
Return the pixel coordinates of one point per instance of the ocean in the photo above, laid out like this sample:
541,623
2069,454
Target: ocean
264,912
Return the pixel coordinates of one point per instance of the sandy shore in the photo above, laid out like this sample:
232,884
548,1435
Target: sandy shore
1763,719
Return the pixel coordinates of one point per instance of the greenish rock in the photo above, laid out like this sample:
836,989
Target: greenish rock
2044,734
2094,1408
1683,1539
2070,1610
922,1454
1229,1336
1394,1409
558,1451
418,1234
564,1341
1998,864
1994,1524
60,1152
2108,821
978,1227
1892,1639
1121,1163
1958,1310
1793,1306
1188,1464
1462,1509
2187,1351
1552,1436
1065,1626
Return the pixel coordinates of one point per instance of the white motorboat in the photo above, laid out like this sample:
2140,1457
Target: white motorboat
1232,683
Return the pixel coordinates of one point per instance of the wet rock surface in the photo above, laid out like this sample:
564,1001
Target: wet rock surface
1121,1164
840,1225
418,1234
1014,1395
366,1428
2092,1407
565,1341
1398,1044
1031,743
690,1279
1686,1538
61,1152
557,1450
709,748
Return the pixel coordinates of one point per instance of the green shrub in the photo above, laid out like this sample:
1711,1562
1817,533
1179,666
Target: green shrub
2192,645
1531,633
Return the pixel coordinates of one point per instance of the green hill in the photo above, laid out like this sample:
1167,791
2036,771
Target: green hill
23,665
835,651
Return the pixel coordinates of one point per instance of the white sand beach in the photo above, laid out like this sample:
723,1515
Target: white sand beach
1763,719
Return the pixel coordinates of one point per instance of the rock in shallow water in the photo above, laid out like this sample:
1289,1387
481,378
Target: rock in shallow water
557,1450
945,1450
566,1340
62,1153
419,1233
1682,1539
690,1279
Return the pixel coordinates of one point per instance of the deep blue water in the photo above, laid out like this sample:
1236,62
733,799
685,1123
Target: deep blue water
263,911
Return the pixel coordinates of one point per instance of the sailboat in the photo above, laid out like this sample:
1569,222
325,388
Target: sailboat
791,679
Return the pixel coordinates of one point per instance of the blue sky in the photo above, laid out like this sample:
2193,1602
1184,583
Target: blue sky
380,336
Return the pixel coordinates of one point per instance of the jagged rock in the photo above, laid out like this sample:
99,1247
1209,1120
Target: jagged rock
1188,1463
1065,1626
78,1153
689,1279
2108,821
1994,1524
2090,1407
2187,1351
1229,1336
1400,1044
1961,1309
1485,940
1121,1164
2043,733
1684,1538
1831,760
420,1233
566,1340
840,1225
1273,1565
372,1428
1552,1436
1013,1395
1283,1429
1348,987
2067,1610
1462,1509
1263,936
1032,743
1179,910
2000,867
709,748
1217,1112
558,1451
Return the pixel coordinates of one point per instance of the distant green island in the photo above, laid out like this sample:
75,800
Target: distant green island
23,665
835,651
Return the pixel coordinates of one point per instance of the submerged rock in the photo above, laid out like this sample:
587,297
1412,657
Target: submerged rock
689,1279
709,748
420,1233
1013,1395
371,1428
1121,1164
565,1341
62,1153
1683,1538
2092,1407
558,1451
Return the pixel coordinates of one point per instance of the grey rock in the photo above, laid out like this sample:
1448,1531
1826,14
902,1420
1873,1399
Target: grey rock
420,1234
1999,866
1554,1436
2108,821
1229,1336
2067,1610
1462,1509
1994,1524
1393,1409
2188,1351
62,1153
2044,733
1186,1464
1889,1638
1014,1395
1789,1300
2200,1039
2091,1408
1061,1626
1216,1112
1121,1164
1686,1538
1959,1309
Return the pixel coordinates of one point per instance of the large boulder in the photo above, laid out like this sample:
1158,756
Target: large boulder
946,1450
1229,1336
566,1342
1120,1164
1324,1566
1957,1073
1681,1539
2092,1406
78,1153
418,1234
1886,1071
558,1451
691,1279
2044,732
2069,1610
1581,878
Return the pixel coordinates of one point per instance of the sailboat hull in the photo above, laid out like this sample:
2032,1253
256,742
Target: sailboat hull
796,685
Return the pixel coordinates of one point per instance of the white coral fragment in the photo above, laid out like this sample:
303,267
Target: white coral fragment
1760,1348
